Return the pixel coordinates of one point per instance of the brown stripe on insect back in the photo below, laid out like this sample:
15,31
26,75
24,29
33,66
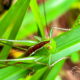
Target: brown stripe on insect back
35,47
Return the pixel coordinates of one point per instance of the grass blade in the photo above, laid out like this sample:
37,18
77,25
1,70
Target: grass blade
12,72
35,10
38,74
17,23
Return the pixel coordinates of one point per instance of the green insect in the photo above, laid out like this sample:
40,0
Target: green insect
50,44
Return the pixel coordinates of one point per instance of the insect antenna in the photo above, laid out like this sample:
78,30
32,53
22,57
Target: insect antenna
5,43
44,7
45,16
52,27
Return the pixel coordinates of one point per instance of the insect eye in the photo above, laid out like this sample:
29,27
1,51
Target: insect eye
6,4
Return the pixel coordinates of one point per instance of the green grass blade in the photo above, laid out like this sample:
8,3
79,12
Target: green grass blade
11,73
67,43
38,74
17,23
38,18
9,18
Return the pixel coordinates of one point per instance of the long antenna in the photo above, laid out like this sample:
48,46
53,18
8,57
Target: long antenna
45,15
13,46
44,7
